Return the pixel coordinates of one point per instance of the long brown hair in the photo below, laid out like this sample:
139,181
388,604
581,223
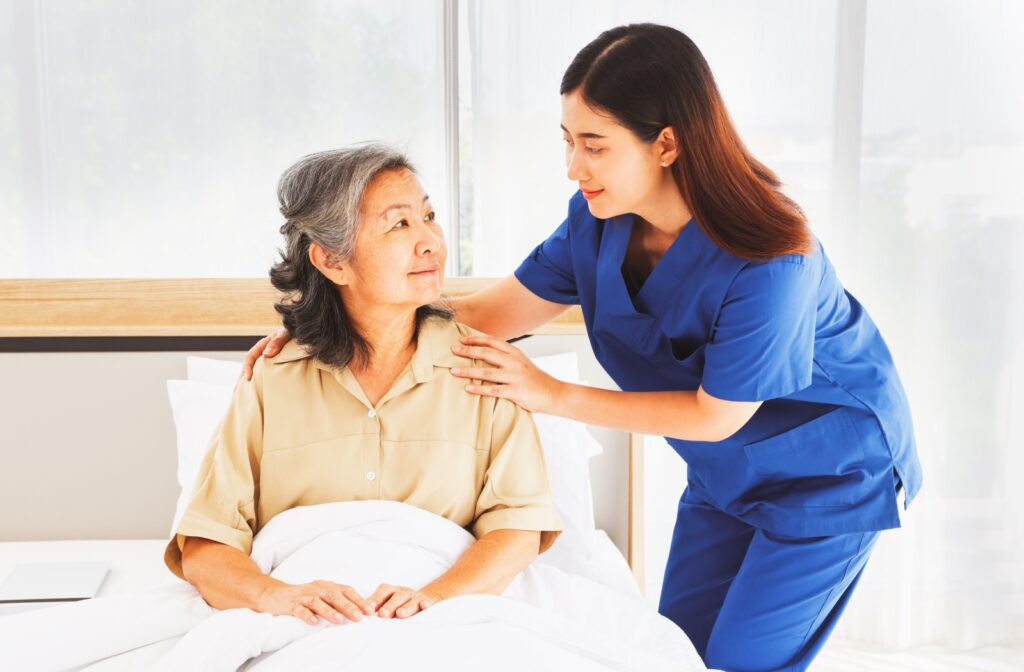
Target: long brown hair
648,77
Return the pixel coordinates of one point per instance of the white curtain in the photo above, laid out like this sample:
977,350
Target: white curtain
900,129
145,139
934,253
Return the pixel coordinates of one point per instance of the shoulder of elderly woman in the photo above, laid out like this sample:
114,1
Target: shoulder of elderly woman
466,330
292,351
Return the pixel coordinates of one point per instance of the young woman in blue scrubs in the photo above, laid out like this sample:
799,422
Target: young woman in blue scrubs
715,310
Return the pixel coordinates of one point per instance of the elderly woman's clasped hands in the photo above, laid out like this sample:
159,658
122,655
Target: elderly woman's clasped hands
333,601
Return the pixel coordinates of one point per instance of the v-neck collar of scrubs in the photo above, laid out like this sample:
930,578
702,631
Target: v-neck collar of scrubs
664,279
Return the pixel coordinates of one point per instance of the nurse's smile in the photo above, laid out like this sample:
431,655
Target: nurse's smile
591,195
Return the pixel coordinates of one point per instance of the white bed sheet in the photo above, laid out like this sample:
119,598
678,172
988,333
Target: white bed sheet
137,565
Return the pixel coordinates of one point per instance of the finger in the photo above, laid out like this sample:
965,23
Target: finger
320,607
355,598
299,611
344,605
380,596
492,375
399,598
489,341
500,391
277,341
253,355
489,355
411,606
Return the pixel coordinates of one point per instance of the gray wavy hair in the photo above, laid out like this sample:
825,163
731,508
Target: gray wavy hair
321,197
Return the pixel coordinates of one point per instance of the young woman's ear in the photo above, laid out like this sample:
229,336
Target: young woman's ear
326,264
667,147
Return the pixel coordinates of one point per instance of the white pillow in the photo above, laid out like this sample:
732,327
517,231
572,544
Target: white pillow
216,371
200,403
197,407
568,447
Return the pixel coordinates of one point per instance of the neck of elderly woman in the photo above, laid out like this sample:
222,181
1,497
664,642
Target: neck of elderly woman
389,331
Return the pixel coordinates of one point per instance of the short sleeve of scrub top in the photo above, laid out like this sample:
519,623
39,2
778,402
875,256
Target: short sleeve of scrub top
762,342
551,275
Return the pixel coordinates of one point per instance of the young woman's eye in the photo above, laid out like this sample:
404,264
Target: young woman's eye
595,150
567,141
431,217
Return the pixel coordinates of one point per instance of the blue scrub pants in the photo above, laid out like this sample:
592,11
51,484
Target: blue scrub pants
752,600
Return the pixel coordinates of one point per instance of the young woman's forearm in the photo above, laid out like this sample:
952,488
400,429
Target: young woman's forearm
505,309
489,565
689,416
223,575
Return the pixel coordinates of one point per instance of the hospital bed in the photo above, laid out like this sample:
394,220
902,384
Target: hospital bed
181,309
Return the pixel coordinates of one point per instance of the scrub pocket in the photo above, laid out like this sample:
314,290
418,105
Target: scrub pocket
819,463
687,363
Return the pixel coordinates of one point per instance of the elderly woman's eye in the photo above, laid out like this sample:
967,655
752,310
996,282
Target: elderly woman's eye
431,217
401,222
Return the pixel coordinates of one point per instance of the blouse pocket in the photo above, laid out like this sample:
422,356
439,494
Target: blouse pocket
316,472
819,463
443,477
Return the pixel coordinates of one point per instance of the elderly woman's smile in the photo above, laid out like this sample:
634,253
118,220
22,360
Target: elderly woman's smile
399,251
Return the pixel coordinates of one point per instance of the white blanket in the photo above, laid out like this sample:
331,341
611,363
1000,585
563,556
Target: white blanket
547,619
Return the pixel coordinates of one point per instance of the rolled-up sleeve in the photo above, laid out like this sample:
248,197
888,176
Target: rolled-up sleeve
516,494
223,503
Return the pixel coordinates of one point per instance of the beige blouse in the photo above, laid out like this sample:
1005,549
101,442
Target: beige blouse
302,433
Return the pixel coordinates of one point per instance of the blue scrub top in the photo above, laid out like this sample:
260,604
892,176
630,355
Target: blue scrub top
833,438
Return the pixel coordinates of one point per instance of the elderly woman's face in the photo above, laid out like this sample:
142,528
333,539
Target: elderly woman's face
400,251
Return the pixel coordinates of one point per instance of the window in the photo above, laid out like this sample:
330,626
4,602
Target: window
146,139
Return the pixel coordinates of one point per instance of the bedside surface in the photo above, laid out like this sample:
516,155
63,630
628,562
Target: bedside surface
135,564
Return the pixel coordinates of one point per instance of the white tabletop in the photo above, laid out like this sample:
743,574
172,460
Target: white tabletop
135,564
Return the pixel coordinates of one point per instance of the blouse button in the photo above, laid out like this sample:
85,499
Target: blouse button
372,413
370,475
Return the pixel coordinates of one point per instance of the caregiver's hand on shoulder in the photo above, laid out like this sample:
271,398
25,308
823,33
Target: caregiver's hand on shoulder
268,346
402,602
512,375
314,600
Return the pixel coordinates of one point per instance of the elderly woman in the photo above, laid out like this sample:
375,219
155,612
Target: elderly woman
361,406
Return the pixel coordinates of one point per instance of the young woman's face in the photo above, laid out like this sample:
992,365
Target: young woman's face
615,170
400,251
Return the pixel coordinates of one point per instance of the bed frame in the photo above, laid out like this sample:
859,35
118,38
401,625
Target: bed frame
219,307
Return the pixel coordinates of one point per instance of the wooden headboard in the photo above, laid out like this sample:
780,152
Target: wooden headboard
222,307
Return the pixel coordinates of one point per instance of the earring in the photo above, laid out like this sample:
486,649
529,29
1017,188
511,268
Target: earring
664,164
